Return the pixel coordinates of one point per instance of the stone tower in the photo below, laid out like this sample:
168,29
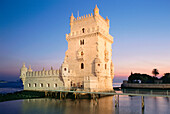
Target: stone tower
89,51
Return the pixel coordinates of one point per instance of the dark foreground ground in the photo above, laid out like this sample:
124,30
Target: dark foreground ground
21,95
41,94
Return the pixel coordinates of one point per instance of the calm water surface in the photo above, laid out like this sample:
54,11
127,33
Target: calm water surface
128,105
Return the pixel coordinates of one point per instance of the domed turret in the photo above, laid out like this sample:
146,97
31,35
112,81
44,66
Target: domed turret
64,68
96,11
23,72
29,69
107,20
71,20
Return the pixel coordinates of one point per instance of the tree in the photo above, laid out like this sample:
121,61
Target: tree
166,78
155,72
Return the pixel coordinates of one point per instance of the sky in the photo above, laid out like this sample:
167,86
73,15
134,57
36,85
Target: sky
33,31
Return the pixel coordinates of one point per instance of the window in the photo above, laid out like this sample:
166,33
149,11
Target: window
55,85
83,30
65,69
41,85
35,85
71,83
48,85
105,66
82,66
82,42
29,85
82,53
98,64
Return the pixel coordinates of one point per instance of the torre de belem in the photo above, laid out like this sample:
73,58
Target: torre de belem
88,61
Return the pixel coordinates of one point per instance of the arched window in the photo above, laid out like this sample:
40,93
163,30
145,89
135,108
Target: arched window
82,53
41,85
82,42
82,65
48,85
29,85
35,85
55,85
83,30
105,66
65,69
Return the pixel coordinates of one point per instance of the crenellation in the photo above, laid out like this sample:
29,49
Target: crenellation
36,73
39,73
43,73
30,73
27,73
46,73
49,72
57,72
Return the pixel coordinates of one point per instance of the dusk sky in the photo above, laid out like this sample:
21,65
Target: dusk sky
33,31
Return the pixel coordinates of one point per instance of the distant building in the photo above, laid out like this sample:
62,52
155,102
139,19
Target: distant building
87,63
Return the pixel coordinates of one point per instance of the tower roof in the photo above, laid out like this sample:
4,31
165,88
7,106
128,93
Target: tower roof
23,66
96,8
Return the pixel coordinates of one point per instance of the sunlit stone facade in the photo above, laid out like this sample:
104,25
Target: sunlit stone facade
87,64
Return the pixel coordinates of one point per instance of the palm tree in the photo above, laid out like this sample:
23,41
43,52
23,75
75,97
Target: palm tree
155,72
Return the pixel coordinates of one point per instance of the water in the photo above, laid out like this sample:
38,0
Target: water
9,90
128,105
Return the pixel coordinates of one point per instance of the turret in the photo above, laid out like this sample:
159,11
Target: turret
107,21
29,69
71,20
64,68
23,72
96,11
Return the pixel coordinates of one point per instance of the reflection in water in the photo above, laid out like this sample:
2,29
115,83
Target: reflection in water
127,105
105,105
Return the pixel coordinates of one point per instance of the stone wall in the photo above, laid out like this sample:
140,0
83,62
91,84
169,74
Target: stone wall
43,83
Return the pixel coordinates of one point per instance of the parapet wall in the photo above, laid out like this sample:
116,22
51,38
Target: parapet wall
43,73
83,17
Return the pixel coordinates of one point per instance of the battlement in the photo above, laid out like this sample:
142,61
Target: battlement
88,16
83,17
43,73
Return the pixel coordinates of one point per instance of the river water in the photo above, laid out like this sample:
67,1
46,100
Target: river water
105,105
127,105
